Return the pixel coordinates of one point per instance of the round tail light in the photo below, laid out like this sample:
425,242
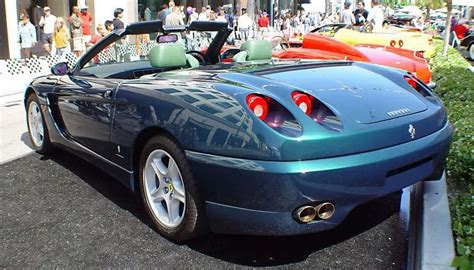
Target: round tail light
393,43
303,101
258,105
400,43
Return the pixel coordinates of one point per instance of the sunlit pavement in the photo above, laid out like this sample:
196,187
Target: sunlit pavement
13,131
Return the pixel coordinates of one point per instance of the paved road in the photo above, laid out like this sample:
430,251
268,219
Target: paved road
61,211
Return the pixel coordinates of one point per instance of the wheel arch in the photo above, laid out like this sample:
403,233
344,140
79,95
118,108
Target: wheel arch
140,140
29,90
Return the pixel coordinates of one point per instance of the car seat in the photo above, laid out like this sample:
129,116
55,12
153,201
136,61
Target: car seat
254,50
171,56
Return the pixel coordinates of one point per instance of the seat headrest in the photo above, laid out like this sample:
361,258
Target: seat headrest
257,50
167,55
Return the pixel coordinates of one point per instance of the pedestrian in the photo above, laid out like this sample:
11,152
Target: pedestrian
109,26
203,15
60,38
162,13
193,16
263,22
78,45
376,15
230,17
100,33
221,16
360,14
118,16
174,18
244,23
86,20
26,36
47,22
346,16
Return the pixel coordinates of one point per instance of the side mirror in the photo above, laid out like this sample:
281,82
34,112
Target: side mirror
60,68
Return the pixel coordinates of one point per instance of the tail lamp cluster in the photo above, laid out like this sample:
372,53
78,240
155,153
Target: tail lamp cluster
278,117
393,43
419,54
415,84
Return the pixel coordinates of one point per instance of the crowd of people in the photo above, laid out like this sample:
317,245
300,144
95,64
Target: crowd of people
60,35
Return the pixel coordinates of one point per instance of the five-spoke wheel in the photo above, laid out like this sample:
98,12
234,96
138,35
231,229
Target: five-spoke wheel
170,195
37,129
164,188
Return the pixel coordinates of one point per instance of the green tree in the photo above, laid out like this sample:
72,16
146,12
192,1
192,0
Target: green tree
430,4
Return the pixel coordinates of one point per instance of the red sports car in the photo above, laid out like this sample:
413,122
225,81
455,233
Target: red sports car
316,46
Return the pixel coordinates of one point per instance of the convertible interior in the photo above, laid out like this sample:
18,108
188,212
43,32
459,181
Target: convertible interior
171,56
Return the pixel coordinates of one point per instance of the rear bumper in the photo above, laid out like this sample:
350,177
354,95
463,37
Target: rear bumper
258,197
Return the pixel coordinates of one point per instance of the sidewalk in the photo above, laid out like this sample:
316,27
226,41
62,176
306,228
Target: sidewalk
14,141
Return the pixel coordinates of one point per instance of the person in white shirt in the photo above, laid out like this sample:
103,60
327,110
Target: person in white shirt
203,15
376,15
244,23
221,15
347,16
194,15
47,22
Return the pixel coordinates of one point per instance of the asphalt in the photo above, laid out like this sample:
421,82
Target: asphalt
61,211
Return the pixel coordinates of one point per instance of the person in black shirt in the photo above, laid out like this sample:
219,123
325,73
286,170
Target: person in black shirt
360,13
118,23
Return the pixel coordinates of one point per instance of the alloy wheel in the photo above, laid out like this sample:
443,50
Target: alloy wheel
164,188
35,123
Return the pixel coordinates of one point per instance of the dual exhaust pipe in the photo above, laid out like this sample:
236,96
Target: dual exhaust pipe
321,211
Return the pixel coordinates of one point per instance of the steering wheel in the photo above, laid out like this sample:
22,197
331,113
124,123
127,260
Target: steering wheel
199,56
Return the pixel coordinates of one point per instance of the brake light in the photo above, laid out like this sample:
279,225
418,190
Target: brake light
411,81
400,43
420,54
273,114
393,43
258,105
416,85
303,101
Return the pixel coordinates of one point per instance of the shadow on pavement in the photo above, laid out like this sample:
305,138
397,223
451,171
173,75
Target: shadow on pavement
243,250
25,138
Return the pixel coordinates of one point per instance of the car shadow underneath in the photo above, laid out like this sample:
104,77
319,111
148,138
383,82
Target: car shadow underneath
258,250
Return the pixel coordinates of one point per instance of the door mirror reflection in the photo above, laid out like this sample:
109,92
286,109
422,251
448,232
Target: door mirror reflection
60,68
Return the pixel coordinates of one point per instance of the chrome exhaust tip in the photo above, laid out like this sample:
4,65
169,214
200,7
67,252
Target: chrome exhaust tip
325,210
305,213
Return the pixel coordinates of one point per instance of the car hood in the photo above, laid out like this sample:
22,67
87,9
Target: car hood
364,95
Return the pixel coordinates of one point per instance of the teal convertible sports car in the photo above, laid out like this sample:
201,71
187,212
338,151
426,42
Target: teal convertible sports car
255,146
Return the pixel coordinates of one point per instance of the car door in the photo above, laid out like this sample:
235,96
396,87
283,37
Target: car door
85,96
86,106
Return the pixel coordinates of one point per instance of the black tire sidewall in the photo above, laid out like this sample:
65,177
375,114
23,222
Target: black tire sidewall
192,224
469,48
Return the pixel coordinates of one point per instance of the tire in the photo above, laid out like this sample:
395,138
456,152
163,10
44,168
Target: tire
162,186
470,50
37,129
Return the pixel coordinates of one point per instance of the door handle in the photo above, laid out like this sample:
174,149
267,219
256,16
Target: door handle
108,94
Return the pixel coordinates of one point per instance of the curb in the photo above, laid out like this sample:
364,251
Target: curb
430,239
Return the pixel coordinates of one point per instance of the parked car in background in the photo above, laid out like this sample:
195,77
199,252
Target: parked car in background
406,38
468,42
316,46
